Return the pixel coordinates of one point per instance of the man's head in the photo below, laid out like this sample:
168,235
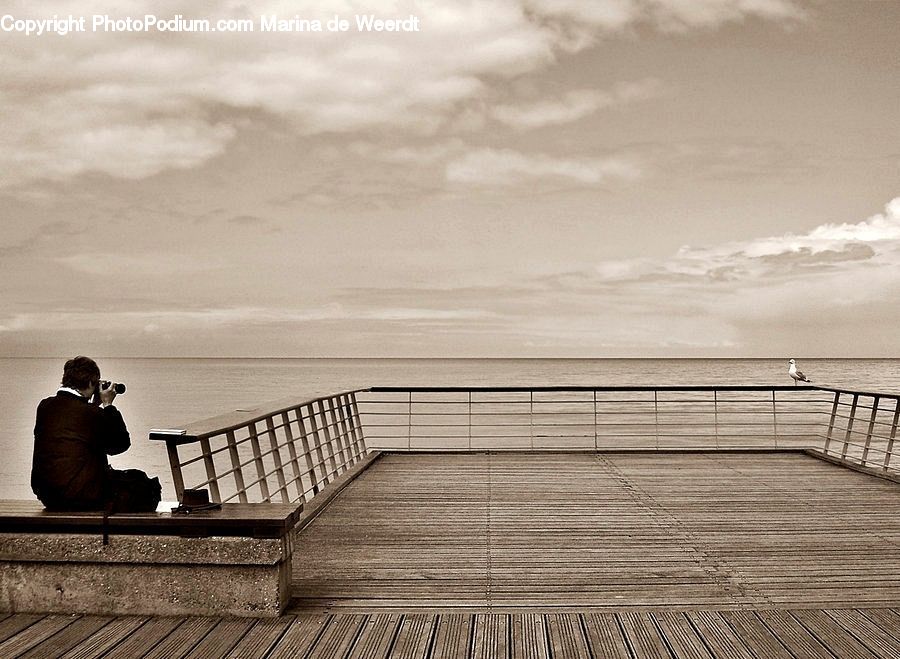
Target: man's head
80,373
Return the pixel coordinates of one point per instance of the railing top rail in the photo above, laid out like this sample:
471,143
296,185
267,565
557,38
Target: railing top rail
606,388
880,394
394,389
222,423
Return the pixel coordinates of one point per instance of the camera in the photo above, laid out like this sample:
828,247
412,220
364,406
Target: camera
117,386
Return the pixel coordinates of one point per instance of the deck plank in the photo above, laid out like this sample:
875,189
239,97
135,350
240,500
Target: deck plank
718,636
832,636
887,621
377,637
873,636
643,636
35,634
221,638
257,641
15,623
144,637
491,636
300,636
529,636
414,636
567,639
338,637
106,638
755,634
605,636
792,634
67,638
453,637
681,635
182,639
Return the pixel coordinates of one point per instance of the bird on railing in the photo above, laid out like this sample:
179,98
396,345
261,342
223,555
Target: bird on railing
796,373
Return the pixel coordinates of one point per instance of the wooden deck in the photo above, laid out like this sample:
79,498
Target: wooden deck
560,555
608,531
697,634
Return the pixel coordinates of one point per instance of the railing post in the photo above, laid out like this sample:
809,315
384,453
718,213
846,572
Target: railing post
875,402
596,436
236,467
469,419
888,452
292,452
341,439
258,461
356,422
308,451
328,443
340,410
276,459
531,418
774,419
409,422
834,409
849,427
716,416
175,465
206,450
317,443
656,416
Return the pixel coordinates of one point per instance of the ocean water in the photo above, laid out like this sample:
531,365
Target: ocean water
171,392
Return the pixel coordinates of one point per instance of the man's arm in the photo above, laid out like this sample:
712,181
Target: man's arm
115,435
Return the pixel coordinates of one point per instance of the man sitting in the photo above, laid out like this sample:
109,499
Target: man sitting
72,437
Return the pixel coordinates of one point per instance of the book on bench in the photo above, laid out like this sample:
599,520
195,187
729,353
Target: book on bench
168,431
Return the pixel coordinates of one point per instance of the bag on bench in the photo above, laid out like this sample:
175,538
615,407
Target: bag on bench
132,491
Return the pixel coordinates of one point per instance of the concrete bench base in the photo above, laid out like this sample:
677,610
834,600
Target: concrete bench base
145,574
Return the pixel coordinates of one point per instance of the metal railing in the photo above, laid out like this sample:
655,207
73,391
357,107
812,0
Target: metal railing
288,454
854,427
292,452
862,428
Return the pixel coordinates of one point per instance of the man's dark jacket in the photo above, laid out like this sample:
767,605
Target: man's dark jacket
71,441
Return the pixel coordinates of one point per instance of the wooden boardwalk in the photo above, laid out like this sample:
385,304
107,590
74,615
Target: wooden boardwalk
804,633
560,555
607,531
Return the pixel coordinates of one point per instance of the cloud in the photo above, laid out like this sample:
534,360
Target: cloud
169,320
133,105
615,15
507,167
424,154
124,151
828,248
573,105
680,15
39,236
872,236
149,263
792,286
758,297
828,289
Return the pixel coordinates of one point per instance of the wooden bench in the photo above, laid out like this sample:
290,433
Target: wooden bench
233,561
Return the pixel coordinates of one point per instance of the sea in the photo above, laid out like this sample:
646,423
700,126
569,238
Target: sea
166,393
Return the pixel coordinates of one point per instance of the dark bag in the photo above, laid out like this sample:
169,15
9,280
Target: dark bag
132,491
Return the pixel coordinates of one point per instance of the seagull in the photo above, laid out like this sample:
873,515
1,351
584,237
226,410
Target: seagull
796,373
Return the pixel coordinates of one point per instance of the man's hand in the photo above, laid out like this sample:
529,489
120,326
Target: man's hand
107,395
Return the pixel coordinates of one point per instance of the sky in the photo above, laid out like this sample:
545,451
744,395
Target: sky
517,178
